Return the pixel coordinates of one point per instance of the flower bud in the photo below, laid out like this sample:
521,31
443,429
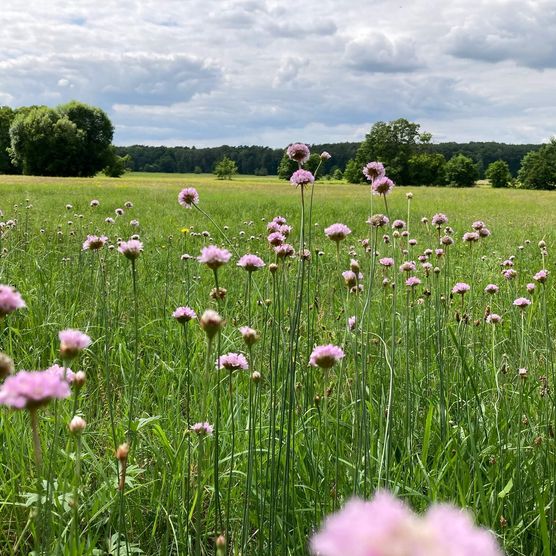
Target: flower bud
6,366
77,425
211,322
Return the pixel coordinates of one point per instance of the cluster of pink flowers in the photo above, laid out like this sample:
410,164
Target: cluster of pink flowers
31,389
214,257
326,356
10,300
188,197
439,219
461,288
337,232
298,152
232,362
374,171
385,526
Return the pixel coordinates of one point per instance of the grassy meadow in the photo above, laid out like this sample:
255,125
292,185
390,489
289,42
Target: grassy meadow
428,402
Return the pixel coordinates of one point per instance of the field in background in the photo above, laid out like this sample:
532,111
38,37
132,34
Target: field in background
298,459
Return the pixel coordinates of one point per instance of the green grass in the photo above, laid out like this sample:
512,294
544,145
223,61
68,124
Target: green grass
427,402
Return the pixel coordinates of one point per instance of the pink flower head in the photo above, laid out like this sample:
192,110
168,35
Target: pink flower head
302,178
484,232
530,287
364,528
276,238
250,335
31,389
412,281
378,220
214,257
439,219
352,323
285,230
398,224
491,288
325,155
131,249
284,250
10,300
188,197
386,261
202,429
493,318
478,225
509,274
251,263
408,266
95,203
522,302
337,232
184,314
470,237
374,170
72,342
385,526
273,226
447,240
119,211
280,220
134,223
382,186
93,243
232,362
350,278
461,288
326,357
298,152
541,276
63,372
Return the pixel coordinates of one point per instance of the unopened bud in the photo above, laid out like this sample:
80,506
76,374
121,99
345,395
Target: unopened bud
6,366
77,425
211,322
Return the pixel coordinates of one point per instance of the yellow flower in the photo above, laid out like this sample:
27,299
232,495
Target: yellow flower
184,230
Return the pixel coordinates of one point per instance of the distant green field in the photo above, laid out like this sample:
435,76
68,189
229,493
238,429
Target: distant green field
427,402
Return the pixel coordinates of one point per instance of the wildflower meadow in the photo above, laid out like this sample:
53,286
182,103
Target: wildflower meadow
262,367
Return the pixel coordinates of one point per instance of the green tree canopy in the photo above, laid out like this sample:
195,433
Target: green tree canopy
225,169
498,173
538,168
392,143
71,140
427,169
461,171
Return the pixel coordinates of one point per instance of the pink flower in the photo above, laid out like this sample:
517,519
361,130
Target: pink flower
298,152
491,288
93,243
387,527
95,203
352,322
412,281
214,257
374,170
251,263
72,342
202,429
484,232
284,250
530,287
31,389
439,219
408,266
541,276
325,155
478,225
378,220
509,274
131,249
386,261
280,220
382,186
188,197
63,372
10,300
326,356
471,237
398,224
461,288
250,335
522,302
184,314
119,212
493,318
337,232
232,362
276,238
302,178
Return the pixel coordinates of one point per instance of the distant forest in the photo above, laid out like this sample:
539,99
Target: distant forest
265,161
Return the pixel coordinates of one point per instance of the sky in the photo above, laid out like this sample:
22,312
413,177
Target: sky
269,72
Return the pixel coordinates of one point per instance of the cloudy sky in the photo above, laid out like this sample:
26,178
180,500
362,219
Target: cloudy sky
209,72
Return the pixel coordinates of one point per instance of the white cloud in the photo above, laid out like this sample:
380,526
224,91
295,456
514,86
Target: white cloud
238,71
